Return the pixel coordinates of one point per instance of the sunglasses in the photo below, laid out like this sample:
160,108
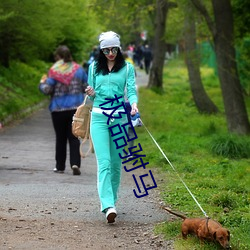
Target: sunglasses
106,51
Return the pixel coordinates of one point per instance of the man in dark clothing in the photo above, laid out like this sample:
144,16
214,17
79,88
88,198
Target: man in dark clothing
138,56
147,54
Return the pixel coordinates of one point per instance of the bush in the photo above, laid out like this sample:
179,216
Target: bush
224,200
231,146
19,88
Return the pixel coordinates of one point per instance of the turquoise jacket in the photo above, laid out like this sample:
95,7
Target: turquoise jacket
114,83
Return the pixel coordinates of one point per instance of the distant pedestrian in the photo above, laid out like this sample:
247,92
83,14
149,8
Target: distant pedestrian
107,78
65,84
138,56
128,59
147,55
93,55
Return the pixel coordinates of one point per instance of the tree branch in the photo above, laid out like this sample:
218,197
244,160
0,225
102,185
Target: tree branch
202,9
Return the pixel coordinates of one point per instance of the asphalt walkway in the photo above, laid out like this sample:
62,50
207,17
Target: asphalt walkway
31,190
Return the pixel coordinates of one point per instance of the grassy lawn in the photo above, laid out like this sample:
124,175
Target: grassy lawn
214,164
19,88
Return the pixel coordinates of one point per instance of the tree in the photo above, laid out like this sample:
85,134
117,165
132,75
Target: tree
242,33
159,46
223,38
128,18
201,99
241,17
28,33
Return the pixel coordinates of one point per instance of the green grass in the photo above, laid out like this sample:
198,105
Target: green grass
19,88
214,164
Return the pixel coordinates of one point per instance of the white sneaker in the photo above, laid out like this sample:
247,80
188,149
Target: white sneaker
130,157
58,171
111,214
76,170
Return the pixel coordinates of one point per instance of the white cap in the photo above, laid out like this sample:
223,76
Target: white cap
109,39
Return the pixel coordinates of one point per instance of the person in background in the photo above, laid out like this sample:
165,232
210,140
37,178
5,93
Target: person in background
128,59
108,76
65,83
92,57
93,54
138,53
147,54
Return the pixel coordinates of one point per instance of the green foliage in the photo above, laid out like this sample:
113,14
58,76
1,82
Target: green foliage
231,146
219,183
29,33
224,200
243,59
175,25
128,18
175,28
170,230
19,87
241,17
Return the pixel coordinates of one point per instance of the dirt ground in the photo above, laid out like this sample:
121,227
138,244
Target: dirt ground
40,209
17,233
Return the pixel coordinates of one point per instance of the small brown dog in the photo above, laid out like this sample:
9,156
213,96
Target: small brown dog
204,229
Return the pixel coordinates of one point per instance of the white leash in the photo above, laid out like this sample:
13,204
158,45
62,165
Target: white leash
174,170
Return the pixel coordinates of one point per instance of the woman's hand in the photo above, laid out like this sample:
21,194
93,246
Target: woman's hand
90,91
134,109
43,79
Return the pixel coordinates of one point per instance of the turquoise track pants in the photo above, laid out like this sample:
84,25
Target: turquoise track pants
109,163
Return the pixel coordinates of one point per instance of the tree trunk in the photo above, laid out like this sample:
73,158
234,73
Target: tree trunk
235,109
201,99
159,46
223,38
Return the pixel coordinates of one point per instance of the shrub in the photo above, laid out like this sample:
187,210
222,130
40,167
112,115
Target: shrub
231,146
223,200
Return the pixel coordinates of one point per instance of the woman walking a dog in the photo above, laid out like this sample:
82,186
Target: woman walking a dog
108,77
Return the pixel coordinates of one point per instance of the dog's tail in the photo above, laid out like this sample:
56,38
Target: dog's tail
175,213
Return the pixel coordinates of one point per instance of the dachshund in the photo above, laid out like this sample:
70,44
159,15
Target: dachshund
204,229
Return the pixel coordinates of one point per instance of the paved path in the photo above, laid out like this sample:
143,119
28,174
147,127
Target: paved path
30,190
141,78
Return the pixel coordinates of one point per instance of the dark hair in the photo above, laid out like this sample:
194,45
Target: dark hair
64,53
102,67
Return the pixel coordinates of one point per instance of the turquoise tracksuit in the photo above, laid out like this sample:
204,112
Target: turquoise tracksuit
107,155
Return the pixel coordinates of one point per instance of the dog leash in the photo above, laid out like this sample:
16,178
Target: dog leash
175,170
